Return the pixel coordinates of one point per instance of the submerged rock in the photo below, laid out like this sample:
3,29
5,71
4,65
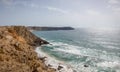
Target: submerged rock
17,51
59,67
86,66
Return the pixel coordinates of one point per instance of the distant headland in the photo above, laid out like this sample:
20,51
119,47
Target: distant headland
49,28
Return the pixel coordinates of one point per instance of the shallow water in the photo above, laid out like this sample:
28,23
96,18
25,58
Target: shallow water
99,50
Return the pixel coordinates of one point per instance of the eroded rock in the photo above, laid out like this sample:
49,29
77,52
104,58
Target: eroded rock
17,51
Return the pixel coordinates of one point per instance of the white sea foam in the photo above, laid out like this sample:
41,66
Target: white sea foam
92,54
111,47
105,42
114,65
103,57
81,68
77,50
53,62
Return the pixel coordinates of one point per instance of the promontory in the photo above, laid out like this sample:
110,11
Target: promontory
17,51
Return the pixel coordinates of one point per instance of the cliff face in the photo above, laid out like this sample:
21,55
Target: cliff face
30,38
17,51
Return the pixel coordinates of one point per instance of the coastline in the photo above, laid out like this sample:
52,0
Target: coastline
17,51
37,28
53,63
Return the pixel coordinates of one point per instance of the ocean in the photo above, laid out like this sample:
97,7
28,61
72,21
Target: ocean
86,50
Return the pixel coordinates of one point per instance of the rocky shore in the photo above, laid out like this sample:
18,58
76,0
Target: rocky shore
17,51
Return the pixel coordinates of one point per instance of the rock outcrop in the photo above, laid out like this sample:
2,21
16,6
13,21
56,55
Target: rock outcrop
17,51
27,35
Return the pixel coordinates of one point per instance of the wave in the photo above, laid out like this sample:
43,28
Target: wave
77,50
84,50
94,58
53,62
113,64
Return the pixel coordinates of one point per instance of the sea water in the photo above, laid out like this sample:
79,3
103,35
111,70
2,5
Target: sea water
85,50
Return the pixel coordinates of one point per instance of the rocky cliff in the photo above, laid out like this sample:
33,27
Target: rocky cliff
17,51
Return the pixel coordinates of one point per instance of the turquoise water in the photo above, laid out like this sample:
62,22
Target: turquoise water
96,48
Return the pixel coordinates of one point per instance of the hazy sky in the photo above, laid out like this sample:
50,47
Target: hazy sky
76,13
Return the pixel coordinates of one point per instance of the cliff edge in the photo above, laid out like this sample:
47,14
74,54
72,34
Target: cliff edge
17,52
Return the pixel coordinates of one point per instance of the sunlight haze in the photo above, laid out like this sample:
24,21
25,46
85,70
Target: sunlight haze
75,13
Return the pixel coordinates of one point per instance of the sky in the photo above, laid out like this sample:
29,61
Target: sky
75,13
